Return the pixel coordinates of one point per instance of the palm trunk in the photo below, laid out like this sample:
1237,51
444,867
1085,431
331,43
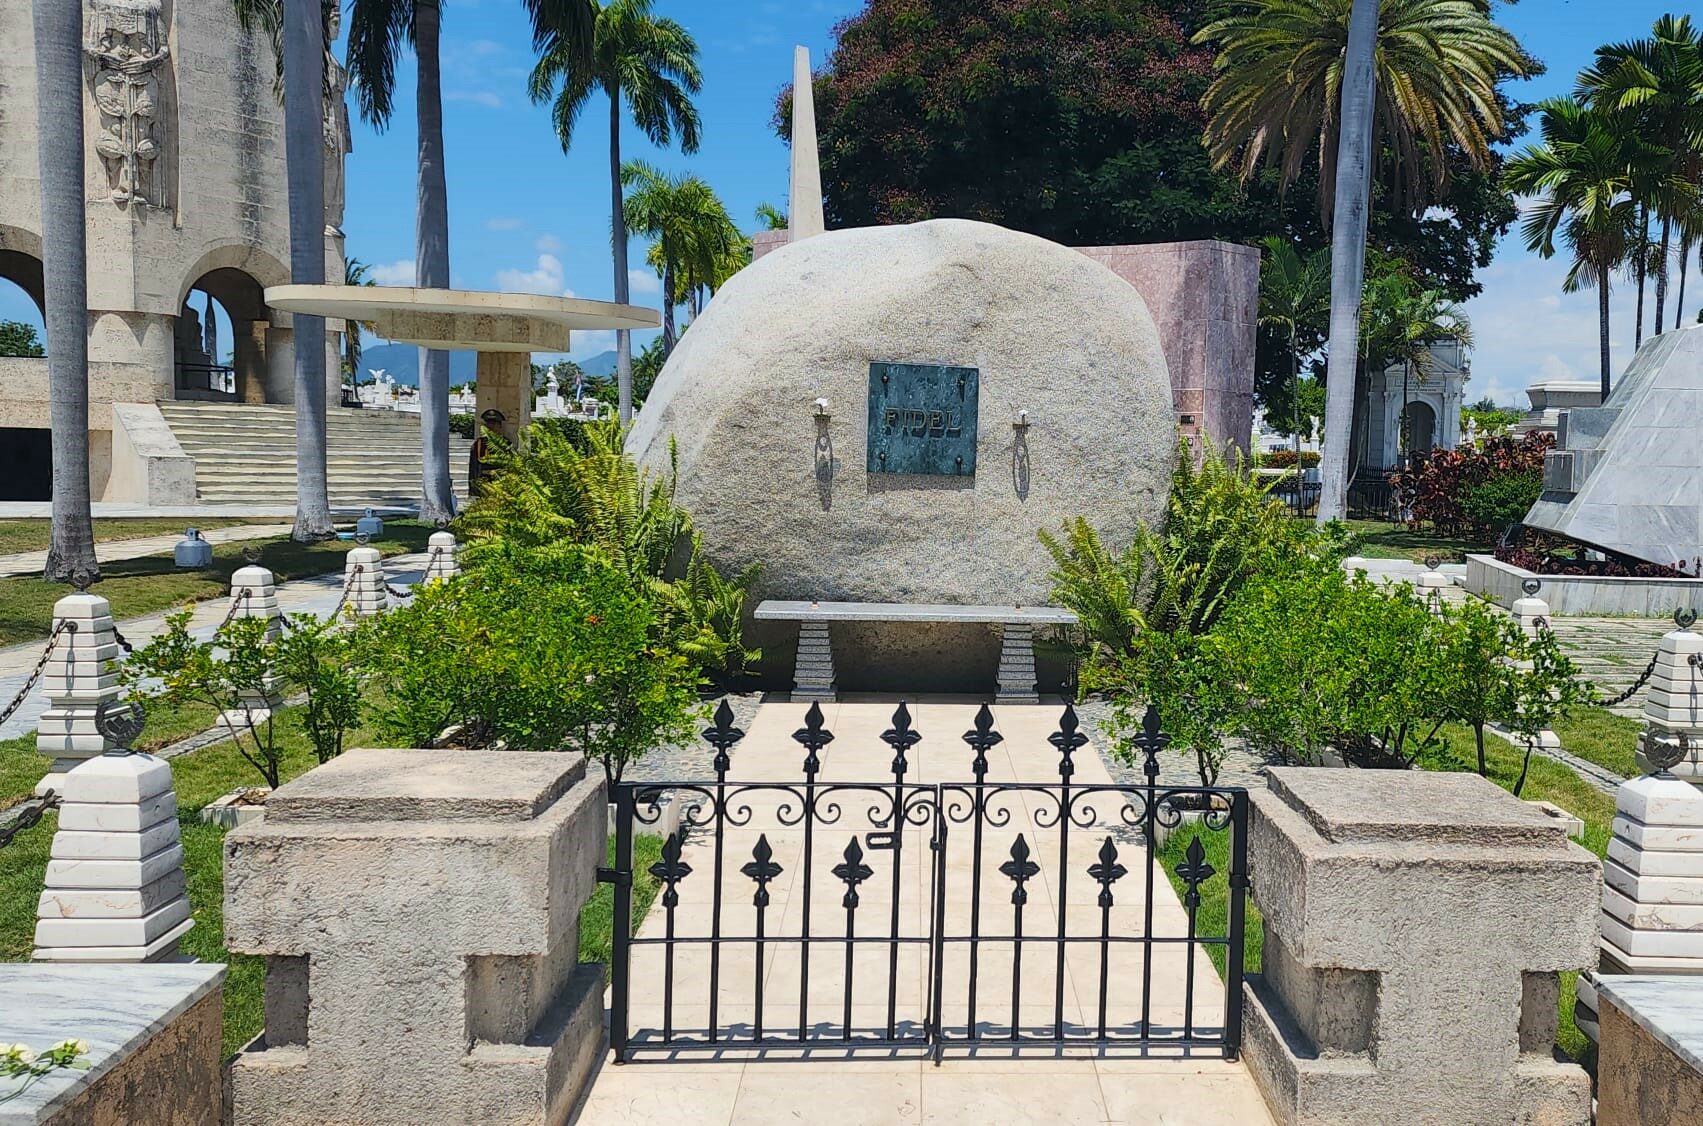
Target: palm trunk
65,277
431,258
1662,274
618,224
1348,255
667,304
1684,265
1643,256
1602,328
304,153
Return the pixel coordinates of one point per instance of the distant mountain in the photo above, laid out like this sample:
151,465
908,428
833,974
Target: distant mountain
402,363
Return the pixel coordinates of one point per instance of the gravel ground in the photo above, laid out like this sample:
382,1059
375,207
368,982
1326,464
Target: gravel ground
691,760
1241,767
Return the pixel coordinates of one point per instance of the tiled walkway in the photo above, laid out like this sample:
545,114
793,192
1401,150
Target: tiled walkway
988,1082
111,551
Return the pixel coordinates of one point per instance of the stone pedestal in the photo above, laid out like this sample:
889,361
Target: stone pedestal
363,579
254,594
1650,1068
1531,612
1672,738
419,913
1017,682
813,672
79,677
441,562
1415,927
115,884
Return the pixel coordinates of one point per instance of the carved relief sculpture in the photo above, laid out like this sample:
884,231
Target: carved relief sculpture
338,141
128,43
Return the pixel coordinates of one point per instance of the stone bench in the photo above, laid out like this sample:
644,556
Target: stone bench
813,671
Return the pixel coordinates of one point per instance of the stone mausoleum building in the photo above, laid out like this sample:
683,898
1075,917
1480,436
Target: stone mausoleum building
186,202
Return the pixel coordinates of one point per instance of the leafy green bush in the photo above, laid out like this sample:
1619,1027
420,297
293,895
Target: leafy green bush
463,426
1285,459
537,648
313,654
580,487
1500,502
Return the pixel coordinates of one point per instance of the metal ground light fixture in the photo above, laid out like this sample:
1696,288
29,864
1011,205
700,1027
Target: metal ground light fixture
192,553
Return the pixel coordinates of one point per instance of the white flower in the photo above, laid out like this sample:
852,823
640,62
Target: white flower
18,1052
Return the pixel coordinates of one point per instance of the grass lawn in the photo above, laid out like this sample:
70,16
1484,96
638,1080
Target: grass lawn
1547,780
35,534
1597,734
144,586
1383,540
21,767
199,777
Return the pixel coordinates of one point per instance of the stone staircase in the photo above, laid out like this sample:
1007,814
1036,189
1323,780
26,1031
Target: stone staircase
246,454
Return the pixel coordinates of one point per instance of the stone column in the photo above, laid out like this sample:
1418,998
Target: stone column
441,562
280,365
78,678
115,884
1016,677
255,595
1415,925
813,668
419,913
363,579
248,357
503,381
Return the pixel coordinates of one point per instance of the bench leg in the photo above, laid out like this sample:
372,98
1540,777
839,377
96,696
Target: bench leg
1017,682
813,671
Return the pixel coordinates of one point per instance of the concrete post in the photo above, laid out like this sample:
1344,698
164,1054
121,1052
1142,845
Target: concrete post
79,677
1672,738
254,594
419,911
1415,927
115,884
1016,677
813,667
441,561
363,579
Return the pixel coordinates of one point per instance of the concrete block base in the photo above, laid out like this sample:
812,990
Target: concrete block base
538,1081
1302,1086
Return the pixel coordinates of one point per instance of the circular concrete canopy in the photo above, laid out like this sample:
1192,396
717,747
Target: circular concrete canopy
461,319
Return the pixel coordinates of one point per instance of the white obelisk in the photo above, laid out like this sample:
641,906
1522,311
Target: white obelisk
804,212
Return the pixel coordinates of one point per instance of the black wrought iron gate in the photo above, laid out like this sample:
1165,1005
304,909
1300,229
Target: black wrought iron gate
921,929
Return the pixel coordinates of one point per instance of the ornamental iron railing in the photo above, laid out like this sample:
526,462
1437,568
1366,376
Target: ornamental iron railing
906,913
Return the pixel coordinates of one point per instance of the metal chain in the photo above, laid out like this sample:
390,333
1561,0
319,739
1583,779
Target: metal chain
66,625
348,585
397,592
237,603
123,643
31,813
1643,678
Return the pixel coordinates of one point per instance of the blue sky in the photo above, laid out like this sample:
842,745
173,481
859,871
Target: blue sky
524,216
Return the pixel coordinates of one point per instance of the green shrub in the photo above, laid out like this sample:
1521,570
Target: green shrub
537,648
1500,502
1285,459
315,656
463,426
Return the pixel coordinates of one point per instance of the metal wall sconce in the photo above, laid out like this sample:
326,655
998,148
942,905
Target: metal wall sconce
820,409
1021,421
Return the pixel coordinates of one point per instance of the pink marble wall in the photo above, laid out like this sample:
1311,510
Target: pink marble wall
1204,296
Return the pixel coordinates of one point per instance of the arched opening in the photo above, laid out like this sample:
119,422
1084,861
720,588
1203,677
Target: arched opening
219,347
1418,429
23,326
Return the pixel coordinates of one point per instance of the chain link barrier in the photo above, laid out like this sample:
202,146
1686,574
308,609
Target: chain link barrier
31,813
237,604
348,588
66,625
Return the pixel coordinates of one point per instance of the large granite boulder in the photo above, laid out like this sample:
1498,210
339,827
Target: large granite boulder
770,481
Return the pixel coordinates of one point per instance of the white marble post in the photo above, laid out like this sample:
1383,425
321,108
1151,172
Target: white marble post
115,883
78,678
441,562
363,578
254,594
1673,708
1432,584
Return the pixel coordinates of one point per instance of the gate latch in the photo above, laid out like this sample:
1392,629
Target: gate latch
615,876
881,840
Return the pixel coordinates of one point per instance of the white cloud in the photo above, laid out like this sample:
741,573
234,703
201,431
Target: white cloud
644,281
400,272
504,223
584,345
545,277
487,98
548,244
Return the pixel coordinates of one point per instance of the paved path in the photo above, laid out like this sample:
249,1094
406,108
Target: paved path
111,551
317,595
27,509
987,1083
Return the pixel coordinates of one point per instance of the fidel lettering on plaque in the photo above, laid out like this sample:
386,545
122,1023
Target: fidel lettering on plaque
922,419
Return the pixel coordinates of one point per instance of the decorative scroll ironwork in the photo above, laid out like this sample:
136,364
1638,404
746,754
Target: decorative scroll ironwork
974,828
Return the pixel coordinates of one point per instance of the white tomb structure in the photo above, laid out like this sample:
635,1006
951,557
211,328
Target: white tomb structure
1429,396
78,678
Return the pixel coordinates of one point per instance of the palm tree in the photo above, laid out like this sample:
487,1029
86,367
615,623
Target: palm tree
355,272
1294,292
377,31
65,283
649,61
1421,319
696,241
1279,76
1581,176
1654,86
772,217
